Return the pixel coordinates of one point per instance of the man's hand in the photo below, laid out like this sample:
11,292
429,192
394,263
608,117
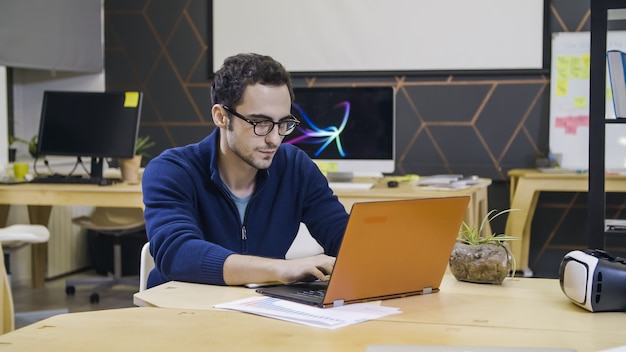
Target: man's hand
313,268
244,269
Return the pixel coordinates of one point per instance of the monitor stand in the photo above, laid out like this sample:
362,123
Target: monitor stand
97,166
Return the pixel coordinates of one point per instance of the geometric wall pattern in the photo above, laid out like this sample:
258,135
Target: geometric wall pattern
484,124
445,122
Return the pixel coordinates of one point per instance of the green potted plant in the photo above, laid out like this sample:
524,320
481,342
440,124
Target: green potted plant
142,145
482,258
129,168
13,140
32,146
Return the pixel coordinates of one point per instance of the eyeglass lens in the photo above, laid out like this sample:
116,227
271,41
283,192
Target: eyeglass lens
263,128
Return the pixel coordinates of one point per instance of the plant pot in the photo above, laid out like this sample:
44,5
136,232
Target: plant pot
482,263
12,153
130,169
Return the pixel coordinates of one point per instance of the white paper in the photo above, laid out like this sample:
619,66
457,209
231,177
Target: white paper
616,349
327,318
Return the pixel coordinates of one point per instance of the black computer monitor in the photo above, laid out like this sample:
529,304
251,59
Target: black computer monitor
89,124
351,129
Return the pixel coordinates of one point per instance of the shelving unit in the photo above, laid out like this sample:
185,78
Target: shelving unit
602,12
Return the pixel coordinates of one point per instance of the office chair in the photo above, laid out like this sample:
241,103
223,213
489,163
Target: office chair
304,245
116,222
147,264
6,301
17,236
11,238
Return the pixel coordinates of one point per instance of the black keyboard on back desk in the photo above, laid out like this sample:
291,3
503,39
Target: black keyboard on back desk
73,179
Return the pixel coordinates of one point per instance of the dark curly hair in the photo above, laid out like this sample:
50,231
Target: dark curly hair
241,70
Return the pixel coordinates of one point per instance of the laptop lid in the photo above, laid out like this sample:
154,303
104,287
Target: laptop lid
390,249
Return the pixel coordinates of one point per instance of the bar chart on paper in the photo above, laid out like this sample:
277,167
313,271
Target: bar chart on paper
328,318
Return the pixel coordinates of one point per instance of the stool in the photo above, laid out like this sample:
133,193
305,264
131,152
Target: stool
116,222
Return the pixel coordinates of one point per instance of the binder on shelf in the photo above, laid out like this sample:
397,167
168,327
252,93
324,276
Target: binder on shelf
617,78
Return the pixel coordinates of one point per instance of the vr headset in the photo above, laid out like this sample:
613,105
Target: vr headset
595,280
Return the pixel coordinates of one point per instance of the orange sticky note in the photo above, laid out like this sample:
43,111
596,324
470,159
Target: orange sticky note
131,99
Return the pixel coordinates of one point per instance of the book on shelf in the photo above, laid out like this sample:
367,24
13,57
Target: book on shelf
617,78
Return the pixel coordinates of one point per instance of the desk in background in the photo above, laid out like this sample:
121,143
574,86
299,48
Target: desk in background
524,193
41,197
476,210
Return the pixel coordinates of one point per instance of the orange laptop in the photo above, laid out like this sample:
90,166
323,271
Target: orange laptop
390,249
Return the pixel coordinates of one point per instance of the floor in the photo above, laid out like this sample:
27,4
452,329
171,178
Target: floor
32,305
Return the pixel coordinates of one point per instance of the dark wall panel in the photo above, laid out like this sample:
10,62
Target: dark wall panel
484,124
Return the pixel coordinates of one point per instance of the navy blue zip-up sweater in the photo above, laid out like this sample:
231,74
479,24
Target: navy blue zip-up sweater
193,225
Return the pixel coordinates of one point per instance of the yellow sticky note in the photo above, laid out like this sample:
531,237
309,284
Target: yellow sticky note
576,68
586,58
563,66
561,87
131,99
326,167
580,102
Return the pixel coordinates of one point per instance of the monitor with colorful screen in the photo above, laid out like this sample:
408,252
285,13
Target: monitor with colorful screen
349,129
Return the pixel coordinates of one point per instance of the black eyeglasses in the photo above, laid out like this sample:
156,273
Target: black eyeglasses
264,127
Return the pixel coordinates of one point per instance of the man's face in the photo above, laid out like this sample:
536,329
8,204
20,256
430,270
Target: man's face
260,102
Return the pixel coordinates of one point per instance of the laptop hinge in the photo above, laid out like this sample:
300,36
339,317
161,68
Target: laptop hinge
338,303
427,290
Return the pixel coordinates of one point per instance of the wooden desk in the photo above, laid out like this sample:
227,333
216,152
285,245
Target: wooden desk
523,312
159,329
519,303
476,210
524,193
41,197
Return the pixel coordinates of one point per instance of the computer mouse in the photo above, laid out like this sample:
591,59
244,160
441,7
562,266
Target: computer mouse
392,184
105,182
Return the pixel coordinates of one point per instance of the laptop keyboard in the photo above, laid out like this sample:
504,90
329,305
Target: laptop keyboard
319,293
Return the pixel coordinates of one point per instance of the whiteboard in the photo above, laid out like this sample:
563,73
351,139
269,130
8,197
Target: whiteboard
382,35
569,102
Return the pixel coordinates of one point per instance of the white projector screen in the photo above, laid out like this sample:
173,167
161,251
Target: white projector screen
58,35
383,35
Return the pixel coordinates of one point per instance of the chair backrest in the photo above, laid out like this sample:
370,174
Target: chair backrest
147,264
116,221
304,245
7,322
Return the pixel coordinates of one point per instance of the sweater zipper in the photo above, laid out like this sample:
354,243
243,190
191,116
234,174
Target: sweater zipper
244,231
244,237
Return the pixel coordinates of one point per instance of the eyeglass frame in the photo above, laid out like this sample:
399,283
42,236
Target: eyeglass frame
289,118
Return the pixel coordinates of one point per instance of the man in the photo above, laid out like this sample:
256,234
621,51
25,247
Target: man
226,210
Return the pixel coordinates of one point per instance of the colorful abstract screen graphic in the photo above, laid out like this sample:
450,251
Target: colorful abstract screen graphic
352,126
323,135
